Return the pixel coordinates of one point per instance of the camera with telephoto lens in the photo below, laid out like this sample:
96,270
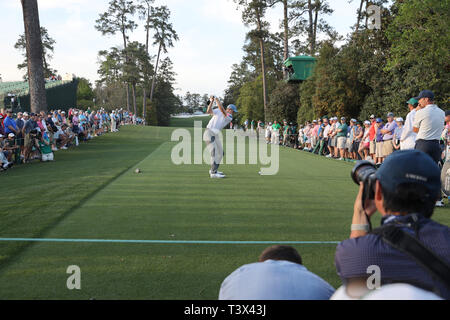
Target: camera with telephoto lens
364,172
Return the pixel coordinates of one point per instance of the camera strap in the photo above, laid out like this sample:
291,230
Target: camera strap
404,242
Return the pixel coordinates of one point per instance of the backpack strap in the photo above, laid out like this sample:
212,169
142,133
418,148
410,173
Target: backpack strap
393,235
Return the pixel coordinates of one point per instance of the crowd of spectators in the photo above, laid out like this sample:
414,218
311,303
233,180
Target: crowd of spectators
373,139
25,137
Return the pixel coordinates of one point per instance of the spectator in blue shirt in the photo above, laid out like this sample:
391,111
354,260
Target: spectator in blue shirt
406,189
279,275
9,124
388,135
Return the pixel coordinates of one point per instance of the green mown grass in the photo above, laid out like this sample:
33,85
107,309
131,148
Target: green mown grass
311,198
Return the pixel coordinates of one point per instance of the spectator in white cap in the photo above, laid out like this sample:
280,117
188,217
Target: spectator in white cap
279,275
388,135
398,133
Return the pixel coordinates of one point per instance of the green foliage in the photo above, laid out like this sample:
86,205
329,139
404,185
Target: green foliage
85,91
306,109
250,101
48,46
151,116
420,53
284,102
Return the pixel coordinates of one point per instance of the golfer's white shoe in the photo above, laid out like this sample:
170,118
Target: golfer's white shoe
218,172
217,176
440,204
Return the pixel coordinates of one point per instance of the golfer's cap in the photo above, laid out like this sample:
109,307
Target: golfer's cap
425,94
410,166
367,122
412,101
390,115
11,135
399,119
232,107
372,116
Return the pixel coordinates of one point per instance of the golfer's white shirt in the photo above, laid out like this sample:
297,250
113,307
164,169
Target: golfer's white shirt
274,280
408,138
219,121
430,121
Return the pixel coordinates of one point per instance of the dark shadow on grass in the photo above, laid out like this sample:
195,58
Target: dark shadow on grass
15,254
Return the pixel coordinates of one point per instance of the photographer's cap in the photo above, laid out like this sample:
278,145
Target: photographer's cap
410,166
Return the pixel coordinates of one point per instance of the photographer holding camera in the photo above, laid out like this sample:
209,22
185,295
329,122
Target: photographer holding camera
409,247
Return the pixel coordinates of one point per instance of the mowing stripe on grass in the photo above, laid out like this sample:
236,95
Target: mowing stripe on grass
162,241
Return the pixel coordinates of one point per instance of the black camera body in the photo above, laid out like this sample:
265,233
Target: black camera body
364,171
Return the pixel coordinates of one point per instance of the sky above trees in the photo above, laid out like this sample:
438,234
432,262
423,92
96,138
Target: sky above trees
211,38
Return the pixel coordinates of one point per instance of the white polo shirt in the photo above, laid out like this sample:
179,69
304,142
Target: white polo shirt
274,280
408,138
219,121
326,131
430,121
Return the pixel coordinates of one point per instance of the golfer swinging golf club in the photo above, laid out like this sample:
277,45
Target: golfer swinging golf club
221,118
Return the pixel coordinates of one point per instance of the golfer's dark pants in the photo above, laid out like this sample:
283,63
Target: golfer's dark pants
430,147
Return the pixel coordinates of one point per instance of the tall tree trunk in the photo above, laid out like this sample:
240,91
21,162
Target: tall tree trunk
310,27
133,88
126,59
38,98
358,21
286,34
156,72
144,87
316,17
263,64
